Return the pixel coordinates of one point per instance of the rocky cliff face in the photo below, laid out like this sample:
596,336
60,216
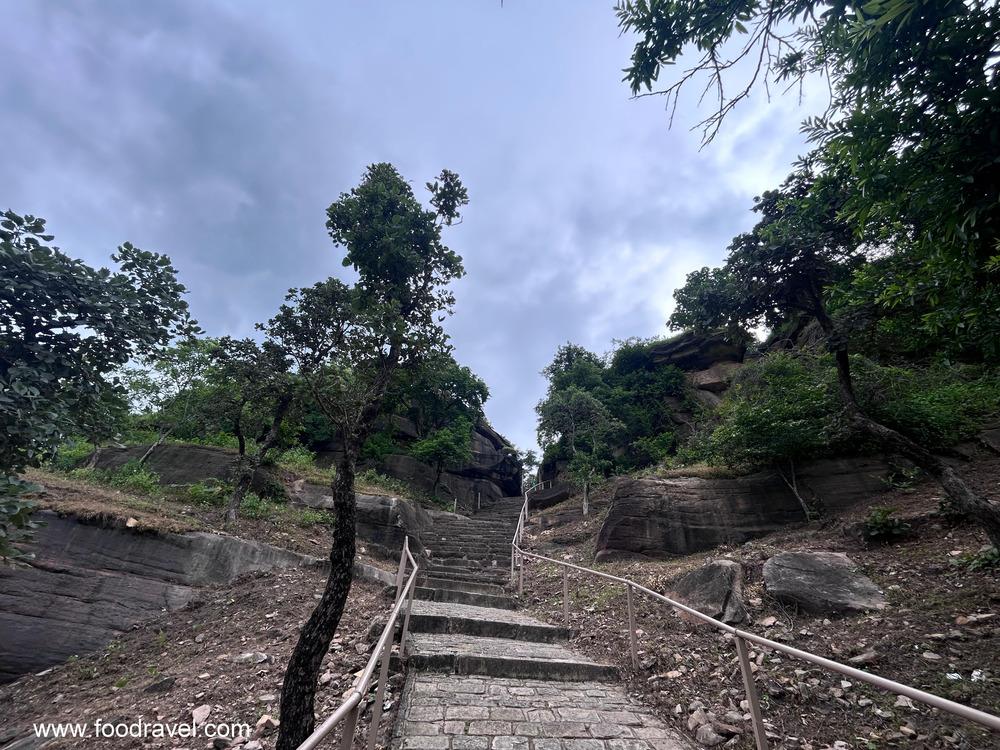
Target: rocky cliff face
677,516
88,583
491,475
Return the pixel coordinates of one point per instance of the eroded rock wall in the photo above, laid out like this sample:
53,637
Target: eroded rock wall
88,583
678,516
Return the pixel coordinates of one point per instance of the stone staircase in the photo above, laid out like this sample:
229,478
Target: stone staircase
483,676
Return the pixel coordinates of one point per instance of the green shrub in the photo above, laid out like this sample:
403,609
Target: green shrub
297,458
210,492
135,477
378,446
988,557
131,476
880,526
254,506
936,406
307,517
783,406
71,454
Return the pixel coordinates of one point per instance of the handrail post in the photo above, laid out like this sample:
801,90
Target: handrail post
520,576
402,566
383,678
406,621
350,724
633,646
512,564
566,596
751,690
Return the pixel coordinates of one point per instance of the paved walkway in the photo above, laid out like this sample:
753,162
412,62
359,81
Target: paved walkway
483,676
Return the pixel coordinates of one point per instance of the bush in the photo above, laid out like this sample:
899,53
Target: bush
307,517
297,459
135,477
880,526
987,557
254,506
936,406
71,454
210,492
131,476
783,406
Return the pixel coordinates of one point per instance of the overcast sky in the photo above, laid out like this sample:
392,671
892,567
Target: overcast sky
218,133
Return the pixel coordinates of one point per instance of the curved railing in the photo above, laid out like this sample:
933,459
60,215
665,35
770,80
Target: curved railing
740,637
349,711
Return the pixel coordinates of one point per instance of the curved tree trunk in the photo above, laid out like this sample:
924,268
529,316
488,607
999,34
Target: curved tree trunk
986,513
298,692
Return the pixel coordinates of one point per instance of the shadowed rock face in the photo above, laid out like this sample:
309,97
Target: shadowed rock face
821,582
89,583
677,516
715,589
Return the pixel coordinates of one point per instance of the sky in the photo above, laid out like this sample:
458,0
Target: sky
218,132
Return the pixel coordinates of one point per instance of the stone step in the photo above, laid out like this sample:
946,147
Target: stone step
476,575
444,617
472,587
454,711
425,593
501,657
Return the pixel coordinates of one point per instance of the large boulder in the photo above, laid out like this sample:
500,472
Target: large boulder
88,583
821,583
681,515
715,589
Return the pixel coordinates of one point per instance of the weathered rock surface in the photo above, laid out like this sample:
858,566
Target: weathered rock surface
690,351
182,463
89,583
714,379
715,589
548,496
382,521
821,582
681,515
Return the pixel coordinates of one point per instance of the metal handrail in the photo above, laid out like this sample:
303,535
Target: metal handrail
350,710
518,555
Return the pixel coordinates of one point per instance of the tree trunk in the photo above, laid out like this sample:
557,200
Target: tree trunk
986,513
586,497
299,689
246,472
96,454
161,436
793,485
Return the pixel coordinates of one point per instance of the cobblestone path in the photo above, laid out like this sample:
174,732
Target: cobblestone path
483,676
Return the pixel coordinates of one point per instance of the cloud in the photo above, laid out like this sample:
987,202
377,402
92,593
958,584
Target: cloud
218,132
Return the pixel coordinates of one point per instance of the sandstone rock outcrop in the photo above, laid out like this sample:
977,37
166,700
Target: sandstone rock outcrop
821,583
89,583
691,351
382,521
677,516
715,589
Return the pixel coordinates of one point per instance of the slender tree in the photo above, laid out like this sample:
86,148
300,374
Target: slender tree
347,343
257,391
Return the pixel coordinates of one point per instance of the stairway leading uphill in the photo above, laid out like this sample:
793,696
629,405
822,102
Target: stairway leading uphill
483,676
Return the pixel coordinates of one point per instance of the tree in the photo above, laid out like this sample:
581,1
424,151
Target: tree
445,447
258,391
787,264
910,132
164,391
65,328
585,425
348,342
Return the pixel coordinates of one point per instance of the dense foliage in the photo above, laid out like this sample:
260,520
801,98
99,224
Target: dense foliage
65,330
613,412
